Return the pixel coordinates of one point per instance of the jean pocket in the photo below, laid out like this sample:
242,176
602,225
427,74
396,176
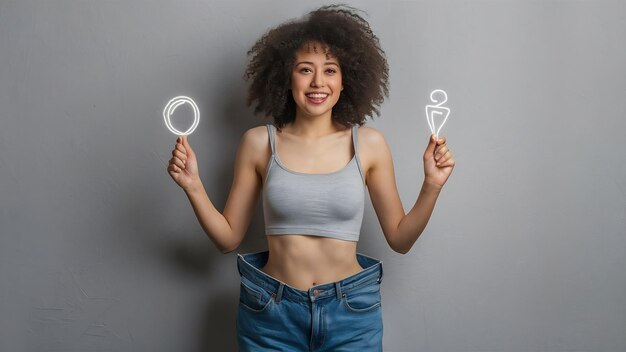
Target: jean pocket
252,297
364,299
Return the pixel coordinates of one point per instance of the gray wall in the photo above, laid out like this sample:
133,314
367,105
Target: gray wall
101,251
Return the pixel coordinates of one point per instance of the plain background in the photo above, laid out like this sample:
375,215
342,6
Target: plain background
101,251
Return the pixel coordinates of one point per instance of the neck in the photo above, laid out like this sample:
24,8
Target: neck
313,126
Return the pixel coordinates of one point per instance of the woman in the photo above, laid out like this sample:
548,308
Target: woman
318,78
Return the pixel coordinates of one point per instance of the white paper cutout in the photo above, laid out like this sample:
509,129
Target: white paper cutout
169,110
432,110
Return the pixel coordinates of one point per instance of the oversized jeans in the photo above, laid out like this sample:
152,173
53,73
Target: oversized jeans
341,316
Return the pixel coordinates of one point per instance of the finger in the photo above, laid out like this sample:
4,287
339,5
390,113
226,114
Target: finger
440,151
173,168
177,162
177,153
449,163
187,146
430,149
181,147
441,140
444,158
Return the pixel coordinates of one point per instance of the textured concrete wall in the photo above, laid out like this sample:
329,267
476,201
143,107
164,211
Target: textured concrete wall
101,251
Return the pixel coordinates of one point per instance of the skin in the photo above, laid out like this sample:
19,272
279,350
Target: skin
313,143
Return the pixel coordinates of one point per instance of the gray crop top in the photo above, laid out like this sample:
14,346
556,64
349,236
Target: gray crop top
326,204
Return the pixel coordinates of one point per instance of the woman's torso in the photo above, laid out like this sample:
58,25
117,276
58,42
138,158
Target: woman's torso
303,261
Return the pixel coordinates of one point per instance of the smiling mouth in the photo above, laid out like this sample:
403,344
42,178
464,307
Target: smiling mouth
316,98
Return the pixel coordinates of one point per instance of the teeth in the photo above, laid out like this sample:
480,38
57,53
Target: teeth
317,95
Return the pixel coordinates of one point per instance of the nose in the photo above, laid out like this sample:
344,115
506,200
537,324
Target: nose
318,79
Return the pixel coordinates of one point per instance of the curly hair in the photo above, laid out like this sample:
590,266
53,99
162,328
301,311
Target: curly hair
344,35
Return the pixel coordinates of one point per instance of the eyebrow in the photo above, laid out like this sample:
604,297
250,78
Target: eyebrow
311,63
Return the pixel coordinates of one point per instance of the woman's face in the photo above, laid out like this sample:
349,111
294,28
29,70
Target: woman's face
315,80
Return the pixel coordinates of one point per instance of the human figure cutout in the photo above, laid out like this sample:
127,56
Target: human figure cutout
441,112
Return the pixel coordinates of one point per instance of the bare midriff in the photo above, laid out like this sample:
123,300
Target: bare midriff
304,261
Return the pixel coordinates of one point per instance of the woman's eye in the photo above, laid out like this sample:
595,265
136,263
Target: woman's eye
331,71
305,70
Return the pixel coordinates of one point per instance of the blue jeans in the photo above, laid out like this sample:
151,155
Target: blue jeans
341,316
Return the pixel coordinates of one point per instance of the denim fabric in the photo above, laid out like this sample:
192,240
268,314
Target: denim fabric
341,316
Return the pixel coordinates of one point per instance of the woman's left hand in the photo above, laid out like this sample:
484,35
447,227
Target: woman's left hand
438,162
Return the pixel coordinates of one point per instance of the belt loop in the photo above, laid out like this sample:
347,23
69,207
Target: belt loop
338,290
279,294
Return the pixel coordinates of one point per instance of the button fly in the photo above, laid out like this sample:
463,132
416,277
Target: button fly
316,292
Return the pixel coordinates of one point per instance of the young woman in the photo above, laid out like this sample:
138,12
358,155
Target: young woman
317,78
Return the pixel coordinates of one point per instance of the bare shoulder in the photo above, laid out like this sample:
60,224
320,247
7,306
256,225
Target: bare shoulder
372,142
371,137
373,148
255,137
255,145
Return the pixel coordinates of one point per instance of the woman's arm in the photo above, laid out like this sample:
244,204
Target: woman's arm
402,230
227,230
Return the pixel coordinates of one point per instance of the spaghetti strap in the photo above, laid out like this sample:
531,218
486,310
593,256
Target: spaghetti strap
270,131
355,142
355,139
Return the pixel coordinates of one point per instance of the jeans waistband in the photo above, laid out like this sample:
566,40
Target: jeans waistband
250,264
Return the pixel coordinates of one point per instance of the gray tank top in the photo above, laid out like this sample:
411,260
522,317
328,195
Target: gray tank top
327,204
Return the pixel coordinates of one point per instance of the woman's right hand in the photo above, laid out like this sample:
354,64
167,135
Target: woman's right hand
183,166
